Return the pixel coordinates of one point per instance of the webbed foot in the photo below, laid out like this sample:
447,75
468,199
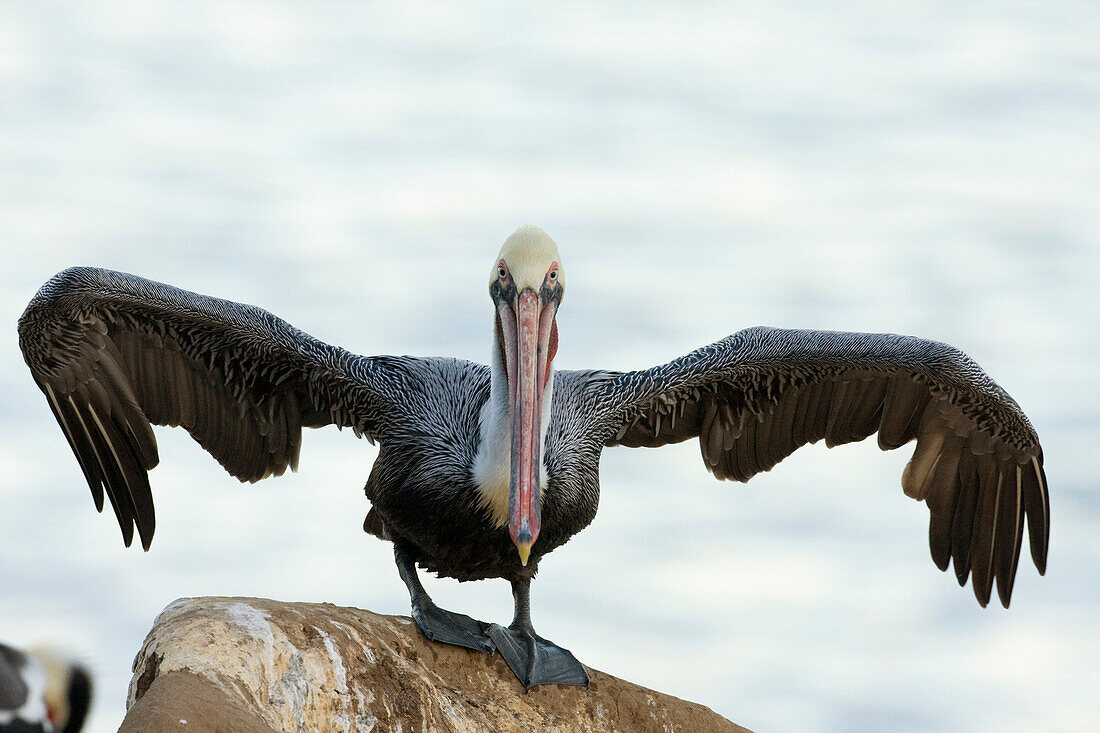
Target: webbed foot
534,660
452,628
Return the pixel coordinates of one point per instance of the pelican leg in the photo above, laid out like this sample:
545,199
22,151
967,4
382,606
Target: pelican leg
437,624
534,660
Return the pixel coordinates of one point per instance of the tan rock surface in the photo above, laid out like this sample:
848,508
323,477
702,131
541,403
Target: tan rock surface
254,665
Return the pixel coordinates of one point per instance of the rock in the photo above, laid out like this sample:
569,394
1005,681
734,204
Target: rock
252,665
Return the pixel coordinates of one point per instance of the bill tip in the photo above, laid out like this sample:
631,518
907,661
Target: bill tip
524,552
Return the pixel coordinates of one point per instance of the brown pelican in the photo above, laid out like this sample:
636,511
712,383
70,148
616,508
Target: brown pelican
42,690
483,470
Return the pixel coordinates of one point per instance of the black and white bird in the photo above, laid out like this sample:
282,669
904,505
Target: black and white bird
42,690
483,470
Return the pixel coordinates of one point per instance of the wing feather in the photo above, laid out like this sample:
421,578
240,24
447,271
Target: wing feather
746,450
115,486
781,435
867,412
1009,532
1037,510
902,406
73,428
941,494
914,479
963,526
711,439
843,404
819,417
983,544
800,435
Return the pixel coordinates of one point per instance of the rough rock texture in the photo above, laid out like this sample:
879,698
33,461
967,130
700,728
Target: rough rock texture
254,665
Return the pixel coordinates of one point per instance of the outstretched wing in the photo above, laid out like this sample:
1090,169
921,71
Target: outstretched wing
114,352
755,397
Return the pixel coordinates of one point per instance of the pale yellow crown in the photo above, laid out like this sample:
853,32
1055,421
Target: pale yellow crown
57,669
529,252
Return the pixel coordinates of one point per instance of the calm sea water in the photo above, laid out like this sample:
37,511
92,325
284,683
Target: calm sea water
930,169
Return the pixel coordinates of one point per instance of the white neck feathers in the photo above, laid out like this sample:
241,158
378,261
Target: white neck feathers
493,464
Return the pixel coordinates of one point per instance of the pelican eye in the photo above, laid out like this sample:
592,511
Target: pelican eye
553,275
501,272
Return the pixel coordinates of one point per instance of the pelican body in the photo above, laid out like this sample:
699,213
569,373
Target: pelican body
426,487
483,470
42,691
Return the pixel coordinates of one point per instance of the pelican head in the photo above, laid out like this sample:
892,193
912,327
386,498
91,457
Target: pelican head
526,285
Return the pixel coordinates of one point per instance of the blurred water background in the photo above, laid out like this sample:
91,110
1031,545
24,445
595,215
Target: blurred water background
922,168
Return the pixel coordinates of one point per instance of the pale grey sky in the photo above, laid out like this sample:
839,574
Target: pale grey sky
930,169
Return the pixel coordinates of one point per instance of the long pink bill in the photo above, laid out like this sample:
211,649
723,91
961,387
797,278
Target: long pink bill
527,355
